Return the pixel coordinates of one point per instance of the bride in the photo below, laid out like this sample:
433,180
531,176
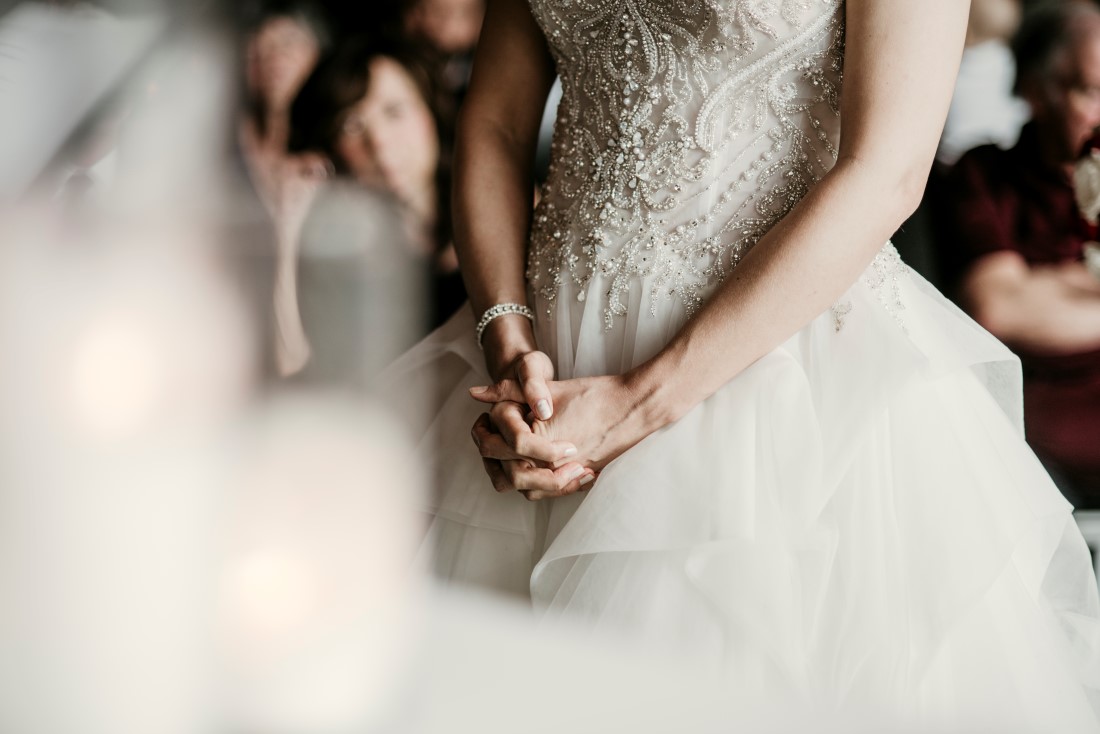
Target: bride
749,431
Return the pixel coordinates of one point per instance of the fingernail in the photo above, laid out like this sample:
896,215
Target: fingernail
575,473
570,451
478,390
473,435
542,407
588,479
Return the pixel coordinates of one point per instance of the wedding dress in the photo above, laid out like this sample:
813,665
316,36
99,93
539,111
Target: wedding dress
856,516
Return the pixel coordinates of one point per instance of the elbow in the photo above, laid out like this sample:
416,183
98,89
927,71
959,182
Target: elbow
909,190
898,186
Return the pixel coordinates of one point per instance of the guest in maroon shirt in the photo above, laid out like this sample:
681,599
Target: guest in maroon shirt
1015,238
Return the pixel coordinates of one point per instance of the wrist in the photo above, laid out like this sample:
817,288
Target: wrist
655,394
505,340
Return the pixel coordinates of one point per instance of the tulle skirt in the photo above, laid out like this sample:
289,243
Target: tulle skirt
853,521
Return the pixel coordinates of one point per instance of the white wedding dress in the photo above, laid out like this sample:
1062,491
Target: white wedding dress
854,519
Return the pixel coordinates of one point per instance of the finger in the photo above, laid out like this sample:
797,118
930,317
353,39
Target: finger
540,483
483,428
493,446
577,485
536,393
490,443
495,470
508,419
501,391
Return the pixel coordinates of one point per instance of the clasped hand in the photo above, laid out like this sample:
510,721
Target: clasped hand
549,438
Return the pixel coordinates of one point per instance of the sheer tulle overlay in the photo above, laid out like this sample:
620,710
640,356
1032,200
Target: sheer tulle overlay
855,519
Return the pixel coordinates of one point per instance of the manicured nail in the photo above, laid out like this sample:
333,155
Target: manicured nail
588,479
473,435
570,451
575,473
478,390
542,408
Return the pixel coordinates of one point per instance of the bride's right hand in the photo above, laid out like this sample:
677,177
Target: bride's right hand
533,371
517,458
514,456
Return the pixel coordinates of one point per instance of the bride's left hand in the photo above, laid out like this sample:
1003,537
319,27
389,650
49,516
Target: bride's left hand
600,416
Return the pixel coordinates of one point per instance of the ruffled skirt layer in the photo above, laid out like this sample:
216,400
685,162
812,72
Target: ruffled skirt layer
853,521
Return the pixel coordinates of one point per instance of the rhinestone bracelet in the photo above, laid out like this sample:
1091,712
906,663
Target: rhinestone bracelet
501,309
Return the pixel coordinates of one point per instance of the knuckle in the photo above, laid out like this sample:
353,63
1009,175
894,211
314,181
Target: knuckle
512,472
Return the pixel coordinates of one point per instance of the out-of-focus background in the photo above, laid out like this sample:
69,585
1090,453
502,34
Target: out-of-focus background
221,221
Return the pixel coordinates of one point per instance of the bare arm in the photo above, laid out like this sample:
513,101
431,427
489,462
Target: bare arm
494,158
495,147
1047,310
900,66
897,88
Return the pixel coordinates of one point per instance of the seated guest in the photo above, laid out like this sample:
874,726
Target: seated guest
1014,237
445,34
450,29
366,108
283,41
449,26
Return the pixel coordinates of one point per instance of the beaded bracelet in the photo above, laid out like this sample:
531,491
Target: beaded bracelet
501,309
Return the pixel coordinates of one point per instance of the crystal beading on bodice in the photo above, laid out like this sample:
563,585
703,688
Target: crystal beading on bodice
687,129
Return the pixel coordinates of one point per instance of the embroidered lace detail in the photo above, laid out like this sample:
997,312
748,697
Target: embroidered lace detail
839,311
687,130
883,277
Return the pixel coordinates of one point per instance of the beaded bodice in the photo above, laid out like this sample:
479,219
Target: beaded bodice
687,129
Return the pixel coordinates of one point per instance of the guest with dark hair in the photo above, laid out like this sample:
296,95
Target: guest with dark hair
449,26
445,34
1014,239
367,109
282,41
448,30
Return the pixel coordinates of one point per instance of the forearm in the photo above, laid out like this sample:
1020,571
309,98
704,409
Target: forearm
493,183
492,205
1049,318
1045,309
1077,275
897,86
1075,330
793,274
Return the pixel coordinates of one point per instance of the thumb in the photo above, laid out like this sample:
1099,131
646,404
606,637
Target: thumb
536,393
503,390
